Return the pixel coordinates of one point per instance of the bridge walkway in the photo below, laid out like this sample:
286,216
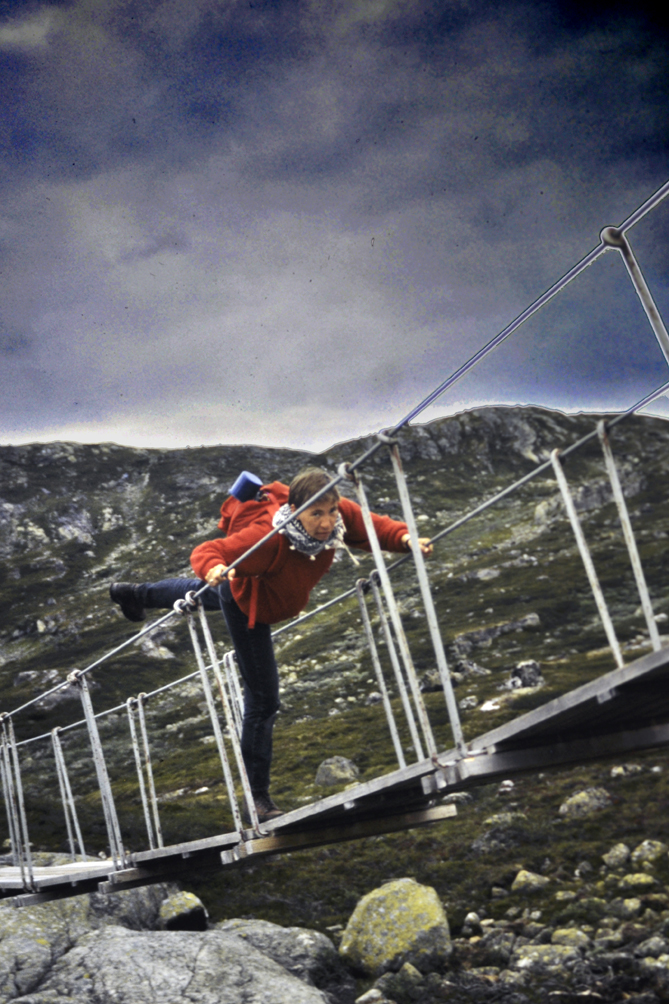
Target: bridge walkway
624,711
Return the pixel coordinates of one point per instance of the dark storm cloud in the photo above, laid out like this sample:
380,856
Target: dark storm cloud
301,216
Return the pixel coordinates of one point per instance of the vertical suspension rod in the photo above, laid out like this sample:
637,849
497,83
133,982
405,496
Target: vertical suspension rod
367,625
587,559
229,719
149,769
10,802
426,593
397,669
236,700
117,851
186,607
67,798
24,839
628,534
130,703
400,635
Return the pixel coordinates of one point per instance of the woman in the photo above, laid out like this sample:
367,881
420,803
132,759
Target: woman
273,584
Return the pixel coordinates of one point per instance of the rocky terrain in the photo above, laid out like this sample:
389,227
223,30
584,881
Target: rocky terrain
520,627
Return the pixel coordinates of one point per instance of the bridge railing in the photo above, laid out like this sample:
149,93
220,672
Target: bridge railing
377,586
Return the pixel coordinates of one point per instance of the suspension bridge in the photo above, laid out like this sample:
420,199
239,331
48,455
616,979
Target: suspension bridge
622,711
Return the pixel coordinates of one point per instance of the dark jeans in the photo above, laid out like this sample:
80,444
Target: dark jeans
257,665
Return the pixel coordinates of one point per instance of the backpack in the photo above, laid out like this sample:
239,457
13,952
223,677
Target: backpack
236,515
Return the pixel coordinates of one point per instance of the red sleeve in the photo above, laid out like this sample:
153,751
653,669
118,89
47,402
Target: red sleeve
225,550
389,531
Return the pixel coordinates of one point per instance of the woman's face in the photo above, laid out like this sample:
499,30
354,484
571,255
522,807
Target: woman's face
320,518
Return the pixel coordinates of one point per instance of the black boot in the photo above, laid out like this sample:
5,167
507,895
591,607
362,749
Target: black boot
125,594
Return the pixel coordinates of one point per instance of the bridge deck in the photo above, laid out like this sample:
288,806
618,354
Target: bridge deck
623,711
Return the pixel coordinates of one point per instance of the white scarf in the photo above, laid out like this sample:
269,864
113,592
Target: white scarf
303,542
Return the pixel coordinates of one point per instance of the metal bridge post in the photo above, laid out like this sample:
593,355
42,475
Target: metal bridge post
586,558
426,593
140,771
366,623
628,534
397,669
615,238
10,806
394,612
229,718
117,851
16,813
234,690
69,808
149,770
185,607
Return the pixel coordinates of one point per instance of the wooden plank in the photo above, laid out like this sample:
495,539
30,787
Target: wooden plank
278,843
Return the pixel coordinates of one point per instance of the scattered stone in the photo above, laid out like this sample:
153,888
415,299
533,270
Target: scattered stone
640,882
527,882
626,909
373,996
183,911
524,674
544,958
655,947
399,922
626,770
374,697
617,857
336,770
570,936
506,787
407,984
505,819
468,702
565,895
585,802
648,852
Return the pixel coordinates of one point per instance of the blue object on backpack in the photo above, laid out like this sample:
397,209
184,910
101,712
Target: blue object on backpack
246,487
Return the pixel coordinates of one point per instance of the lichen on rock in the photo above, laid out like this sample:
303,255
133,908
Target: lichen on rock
399,922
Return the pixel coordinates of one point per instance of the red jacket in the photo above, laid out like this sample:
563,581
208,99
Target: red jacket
275,582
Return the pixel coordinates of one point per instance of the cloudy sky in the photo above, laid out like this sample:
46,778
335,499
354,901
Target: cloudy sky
285,223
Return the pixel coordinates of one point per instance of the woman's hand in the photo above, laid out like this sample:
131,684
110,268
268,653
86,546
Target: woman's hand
425,545
216,574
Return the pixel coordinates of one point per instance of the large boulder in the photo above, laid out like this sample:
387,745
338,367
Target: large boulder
183,911
118,966
399,922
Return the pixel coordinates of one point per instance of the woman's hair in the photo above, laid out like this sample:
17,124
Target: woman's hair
307,483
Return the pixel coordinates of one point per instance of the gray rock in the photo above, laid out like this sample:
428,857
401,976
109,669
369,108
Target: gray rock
33,938
584,803
617,857
527,882
182,911
649,852
336,770
525,674
118,966
309,955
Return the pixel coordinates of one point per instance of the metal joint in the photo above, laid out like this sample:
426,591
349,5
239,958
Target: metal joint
613,237
383,437
344,470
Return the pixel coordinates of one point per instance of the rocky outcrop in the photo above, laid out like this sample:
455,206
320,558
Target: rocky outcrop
115,949
125,967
